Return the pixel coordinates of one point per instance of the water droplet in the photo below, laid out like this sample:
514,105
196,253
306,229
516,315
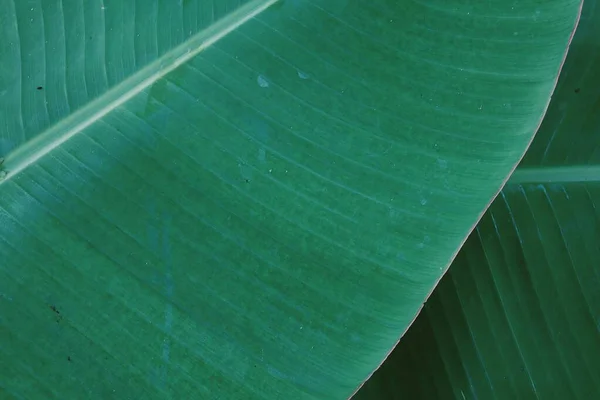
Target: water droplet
262,155
262,81
302,75
423,202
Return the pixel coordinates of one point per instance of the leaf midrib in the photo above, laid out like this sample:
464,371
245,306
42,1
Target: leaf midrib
57,134
562,174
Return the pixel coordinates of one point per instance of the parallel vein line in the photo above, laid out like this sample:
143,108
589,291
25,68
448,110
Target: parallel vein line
58,134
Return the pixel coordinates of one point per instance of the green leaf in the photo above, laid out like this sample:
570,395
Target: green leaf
247,200
518,314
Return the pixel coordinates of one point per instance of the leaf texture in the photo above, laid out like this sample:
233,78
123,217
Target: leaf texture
518,314
262,218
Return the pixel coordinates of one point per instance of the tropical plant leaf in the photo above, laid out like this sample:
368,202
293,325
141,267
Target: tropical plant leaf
252,201
518,314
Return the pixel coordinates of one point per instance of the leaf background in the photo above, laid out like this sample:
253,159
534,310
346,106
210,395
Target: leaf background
264,220
518,314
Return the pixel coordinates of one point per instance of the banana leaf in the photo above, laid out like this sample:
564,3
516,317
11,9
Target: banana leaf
247,199
518,314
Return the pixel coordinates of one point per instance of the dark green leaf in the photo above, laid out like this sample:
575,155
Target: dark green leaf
518,314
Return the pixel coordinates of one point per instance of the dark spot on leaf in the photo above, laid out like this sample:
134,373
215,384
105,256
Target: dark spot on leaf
577,90
69,358
40,88
247,180
57,312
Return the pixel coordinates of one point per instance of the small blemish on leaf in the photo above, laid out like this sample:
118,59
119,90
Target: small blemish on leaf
57,312
40,88
577,90
262,155
262,81
302,75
